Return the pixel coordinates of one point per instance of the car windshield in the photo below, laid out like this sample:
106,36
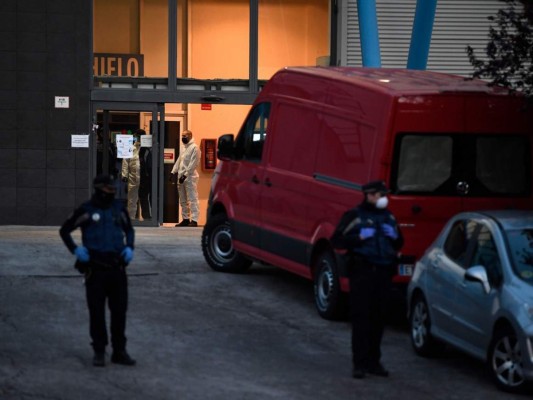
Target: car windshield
521,246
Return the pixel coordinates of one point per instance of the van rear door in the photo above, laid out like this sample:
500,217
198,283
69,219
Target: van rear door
457,153
496,172
422,175
424,191
497,154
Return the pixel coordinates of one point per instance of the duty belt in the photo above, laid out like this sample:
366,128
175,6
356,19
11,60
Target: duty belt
106,260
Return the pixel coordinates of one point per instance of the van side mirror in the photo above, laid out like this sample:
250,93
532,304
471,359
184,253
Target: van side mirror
478,273
225,148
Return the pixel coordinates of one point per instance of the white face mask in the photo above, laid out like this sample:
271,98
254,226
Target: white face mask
382,202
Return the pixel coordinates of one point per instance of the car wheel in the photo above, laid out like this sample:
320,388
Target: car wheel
217,246
505,361
420,325
329,300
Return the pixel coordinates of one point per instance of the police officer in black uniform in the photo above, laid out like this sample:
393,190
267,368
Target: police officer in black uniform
108,242
370,235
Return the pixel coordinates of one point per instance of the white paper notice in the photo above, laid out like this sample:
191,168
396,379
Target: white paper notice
124,146
146,141
80,141
61,101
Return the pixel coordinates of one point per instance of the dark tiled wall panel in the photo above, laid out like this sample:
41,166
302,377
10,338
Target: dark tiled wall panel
44,52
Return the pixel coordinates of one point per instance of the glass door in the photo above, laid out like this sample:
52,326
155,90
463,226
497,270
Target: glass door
128,148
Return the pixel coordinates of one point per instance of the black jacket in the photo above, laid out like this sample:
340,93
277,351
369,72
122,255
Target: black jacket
104,230
379,249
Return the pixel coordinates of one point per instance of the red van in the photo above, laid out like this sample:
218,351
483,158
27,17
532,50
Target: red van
315,135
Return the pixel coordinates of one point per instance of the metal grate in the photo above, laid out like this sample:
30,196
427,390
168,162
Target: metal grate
458,23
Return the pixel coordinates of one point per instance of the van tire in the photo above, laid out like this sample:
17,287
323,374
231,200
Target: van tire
217,246
329,300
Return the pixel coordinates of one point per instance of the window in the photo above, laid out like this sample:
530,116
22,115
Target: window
291,32
425,163
130,38
500,164
486,255
487,165
520,243
456,245
218,39
252,136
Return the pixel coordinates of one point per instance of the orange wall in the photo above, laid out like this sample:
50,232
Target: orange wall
211,124
291,32
218,39
154,37
116,26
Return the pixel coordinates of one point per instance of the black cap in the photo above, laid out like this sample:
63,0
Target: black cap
375,187
105,183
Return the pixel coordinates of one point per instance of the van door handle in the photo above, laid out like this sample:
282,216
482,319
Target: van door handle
463,188
268,182
255,179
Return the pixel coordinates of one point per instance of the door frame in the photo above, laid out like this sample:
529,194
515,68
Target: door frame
146,120
157,111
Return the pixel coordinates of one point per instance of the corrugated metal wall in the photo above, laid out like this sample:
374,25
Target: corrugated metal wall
458,23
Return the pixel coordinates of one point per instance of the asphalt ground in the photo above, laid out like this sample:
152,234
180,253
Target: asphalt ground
196,334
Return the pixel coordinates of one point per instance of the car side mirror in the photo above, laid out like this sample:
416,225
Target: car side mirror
225,147
478,273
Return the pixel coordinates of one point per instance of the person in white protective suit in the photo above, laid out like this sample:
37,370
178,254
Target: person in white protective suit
185,169
131,174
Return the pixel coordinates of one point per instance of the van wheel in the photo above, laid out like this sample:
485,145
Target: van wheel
329,301
217,246
505,361
420,326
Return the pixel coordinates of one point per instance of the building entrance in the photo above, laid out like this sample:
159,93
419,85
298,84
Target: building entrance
128,144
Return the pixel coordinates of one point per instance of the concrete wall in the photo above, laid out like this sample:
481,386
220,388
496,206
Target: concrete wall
44,52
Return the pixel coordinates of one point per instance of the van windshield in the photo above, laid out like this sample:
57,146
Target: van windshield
434,164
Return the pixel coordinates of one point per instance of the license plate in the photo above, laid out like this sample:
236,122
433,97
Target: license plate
406,269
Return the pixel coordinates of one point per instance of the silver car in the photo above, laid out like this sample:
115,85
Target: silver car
473,289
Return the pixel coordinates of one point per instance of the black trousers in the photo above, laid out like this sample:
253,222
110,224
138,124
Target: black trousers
370,288
111,285
145,198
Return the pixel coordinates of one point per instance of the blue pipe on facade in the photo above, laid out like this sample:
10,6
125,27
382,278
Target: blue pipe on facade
368,32
421,36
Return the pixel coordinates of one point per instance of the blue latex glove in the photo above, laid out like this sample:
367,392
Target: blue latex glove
82,254
127,254
367,233
389,231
